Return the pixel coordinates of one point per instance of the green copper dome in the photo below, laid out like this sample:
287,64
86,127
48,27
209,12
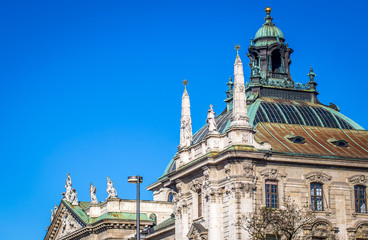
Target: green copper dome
268,33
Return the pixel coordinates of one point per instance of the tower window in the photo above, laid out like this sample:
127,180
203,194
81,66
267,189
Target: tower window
316,196
271,194
170,198
360,199
276,61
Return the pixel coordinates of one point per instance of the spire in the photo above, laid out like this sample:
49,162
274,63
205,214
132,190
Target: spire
229,95
312,83
186,120
268,18
240,117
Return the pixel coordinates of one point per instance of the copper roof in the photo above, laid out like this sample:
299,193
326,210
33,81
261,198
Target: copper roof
317,140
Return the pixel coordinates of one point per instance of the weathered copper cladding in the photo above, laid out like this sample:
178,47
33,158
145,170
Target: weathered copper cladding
318,140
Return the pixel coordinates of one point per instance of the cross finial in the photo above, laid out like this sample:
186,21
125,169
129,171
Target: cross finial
237,47
185,82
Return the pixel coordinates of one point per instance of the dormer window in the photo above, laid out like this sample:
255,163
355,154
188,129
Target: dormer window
339,143
296,139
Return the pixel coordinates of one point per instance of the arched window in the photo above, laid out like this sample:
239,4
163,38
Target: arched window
170,197
360,199
316,196
271,194
276,61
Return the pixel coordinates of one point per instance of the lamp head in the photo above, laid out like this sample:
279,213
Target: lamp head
135,179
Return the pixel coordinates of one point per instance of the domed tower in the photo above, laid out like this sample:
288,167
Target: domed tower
270,61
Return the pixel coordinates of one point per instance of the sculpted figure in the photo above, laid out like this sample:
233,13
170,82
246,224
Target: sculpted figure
92,192
68,186
110,189
212,126
53,212
74,197
187,133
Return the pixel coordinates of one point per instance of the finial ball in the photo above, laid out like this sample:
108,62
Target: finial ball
268,10
185,82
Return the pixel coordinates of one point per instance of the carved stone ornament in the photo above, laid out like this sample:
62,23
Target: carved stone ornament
248,170
53,212
240,187
179,186
227,169
197,232
272,174
206,173
68,225
179,206
362,231
245,137
318,177
358,179
195,186
111,191
211,122
92,192
68,194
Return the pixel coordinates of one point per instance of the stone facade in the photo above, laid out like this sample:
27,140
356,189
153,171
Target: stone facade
273,134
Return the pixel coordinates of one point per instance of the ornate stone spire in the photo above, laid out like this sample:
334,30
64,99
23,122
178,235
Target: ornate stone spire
186,120
240,117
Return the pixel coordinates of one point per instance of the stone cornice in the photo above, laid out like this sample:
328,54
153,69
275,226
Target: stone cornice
248,152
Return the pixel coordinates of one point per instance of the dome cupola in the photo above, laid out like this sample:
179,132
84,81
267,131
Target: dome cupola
268,33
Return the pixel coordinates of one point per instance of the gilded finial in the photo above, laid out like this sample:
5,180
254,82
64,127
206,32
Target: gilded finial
268,10
237,47
185,82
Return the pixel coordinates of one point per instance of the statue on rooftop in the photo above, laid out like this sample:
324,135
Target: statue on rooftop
110,189
53,212
211,122
68,186
92,192
74,197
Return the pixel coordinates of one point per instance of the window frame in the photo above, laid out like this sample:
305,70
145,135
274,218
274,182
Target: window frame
314,196
269,193
357,199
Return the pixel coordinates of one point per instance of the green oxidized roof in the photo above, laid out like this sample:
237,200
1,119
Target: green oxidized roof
168,222
280,111
269,31
79,210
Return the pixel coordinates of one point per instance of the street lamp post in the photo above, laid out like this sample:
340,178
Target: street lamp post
137,179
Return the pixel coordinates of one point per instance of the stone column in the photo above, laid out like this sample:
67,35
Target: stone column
215,226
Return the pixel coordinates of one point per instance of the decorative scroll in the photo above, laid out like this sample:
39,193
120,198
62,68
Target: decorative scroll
318,177
272,174
358,179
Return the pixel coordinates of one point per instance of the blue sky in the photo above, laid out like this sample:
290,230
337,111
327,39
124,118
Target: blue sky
94,87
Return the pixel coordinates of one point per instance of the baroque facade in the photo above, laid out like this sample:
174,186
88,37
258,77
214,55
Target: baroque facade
274,141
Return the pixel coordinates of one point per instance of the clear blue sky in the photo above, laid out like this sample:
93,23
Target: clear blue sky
94,87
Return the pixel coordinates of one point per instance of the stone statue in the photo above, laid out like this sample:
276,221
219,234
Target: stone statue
110,189
92,192
68,186
53,212
187,132
212,126
74,197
